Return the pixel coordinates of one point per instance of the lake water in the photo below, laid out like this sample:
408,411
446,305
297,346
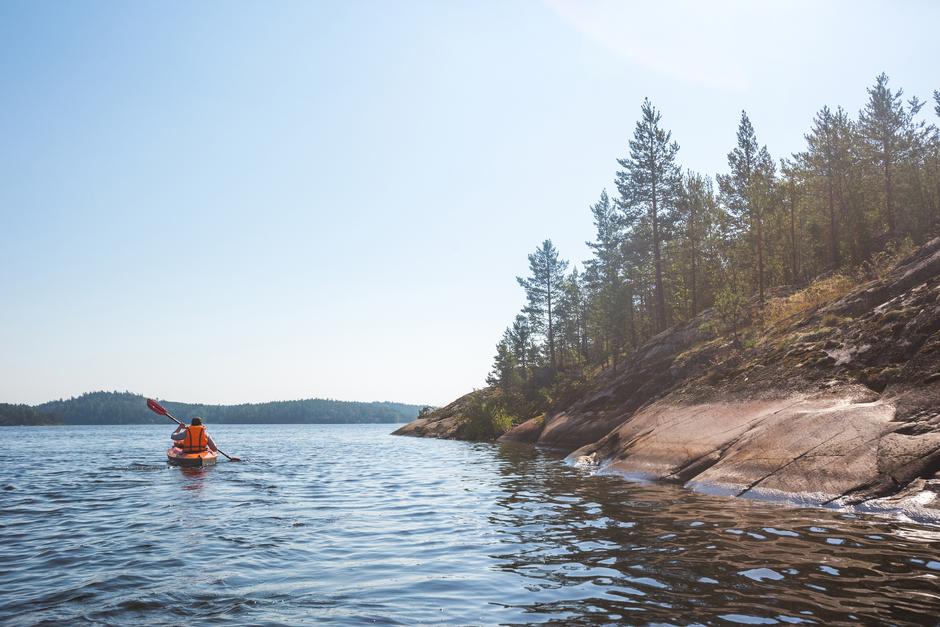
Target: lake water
349,525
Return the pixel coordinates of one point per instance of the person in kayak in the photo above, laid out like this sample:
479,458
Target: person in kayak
194,438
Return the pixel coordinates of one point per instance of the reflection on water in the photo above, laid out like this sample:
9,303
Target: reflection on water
193,478
601,549
348,525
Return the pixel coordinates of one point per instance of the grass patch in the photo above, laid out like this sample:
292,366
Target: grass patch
884,262
819,292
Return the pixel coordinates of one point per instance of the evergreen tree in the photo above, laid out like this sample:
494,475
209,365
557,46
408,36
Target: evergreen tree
827,157
918,171
519,337
504,373
746,192
696,214
649,185
603,276
543,289
881,125
572,318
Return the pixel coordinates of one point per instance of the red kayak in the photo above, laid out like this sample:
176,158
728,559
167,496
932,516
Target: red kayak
176,457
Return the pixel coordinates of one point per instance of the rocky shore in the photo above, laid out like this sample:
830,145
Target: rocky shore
838,403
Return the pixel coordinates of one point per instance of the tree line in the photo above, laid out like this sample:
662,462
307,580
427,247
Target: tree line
17,415
670,242
127,408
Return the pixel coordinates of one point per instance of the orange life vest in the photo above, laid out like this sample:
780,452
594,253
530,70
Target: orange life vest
195,440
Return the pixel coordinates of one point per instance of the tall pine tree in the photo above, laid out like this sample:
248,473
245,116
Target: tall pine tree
603,275
746,192
827,156
881,124
649,185
543,289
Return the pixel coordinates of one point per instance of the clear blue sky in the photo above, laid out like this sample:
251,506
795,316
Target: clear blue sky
232,201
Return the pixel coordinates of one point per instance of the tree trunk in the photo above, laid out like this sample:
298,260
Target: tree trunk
794,271
657,263
760,261
833,238
551,331
631,318
694,308
889,202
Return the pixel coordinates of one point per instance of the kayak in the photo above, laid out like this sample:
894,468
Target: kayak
176,457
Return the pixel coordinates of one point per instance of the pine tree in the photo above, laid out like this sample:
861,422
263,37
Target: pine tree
602,274
933,159
696,214
791,197
519,338
649,185
571,318
503,373
543,289
828,145
881,123
746,191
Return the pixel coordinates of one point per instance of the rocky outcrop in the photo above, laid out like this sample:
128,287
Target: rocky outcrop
839,402
843,443
445,423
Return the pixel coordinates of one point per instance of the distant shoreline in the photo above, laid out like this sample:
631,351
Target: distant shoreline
126,408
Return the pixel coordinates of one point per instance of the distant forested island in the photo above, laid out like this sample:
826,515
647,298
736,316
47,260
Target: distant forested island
98,408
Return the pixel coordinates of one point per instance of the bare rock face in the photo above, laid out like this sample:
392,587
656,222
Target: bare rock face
839,403
444,422
921,266
825,444
844,445
526,433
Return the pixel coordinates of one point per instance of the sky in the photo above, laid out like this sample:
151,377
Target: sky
229,202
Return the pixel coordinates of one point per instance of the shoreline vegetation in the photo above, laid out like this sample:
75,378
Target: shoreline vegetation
774,330
100,408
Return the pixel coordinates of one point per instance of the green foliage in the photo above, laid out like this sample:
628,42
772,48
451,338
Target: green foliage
485,419
747,193
126,408
731,306
543,289
864,190
649,186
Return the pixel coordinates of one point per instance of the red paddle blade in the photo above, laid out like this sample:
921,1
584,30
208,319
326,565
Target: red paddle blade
155,407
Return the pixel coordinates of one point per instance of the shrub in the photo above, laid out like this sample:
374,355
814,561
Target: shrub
731,307
424,411
485,420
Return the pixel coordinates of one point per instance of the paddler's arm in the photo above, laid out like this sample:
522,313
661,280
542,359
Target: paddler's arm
178,435
211,443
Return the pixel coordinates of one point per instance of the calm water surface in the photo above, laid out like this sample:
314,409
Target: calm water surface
348,525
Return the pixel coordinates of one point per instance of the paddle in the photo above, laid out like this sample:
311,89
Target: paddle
156,408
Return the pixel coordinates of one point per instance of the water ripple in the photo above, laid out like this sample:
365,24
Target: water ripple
351,526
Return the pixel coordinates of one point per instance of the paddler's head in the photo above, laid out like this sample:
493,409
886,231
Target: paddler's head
195,422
